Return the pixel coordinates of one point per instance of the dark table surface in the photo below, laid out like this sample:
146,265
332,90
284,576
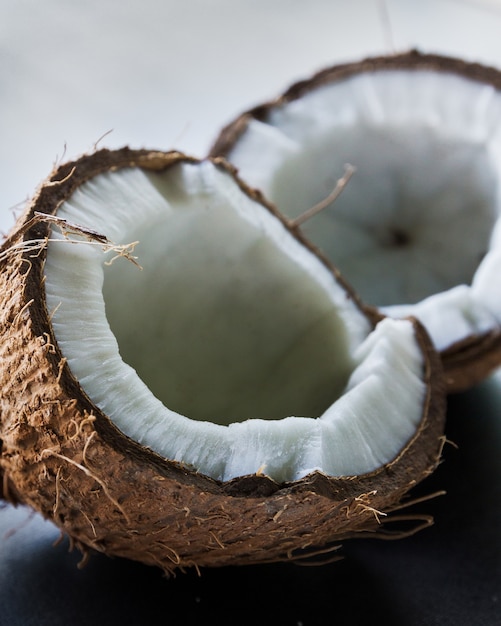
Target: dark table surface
449,573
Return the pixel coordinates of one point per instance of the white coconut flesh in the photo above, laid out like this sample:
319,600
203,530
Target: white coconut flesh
233,350
416,230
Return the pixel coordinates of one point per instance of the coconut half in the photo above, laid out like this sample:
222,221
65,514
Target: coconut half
185,382
416,231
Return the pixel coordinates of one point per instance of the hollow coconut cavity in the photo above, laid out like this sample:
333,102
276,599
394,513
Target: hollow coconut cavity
416,229
186,382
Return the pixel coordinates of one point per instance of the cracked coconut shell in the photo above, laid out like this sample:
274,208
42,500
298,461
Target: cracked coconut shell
64,456
416,230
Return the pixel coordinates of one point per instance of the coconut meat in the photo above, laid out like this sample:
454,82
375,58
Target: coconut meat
412,230
233,350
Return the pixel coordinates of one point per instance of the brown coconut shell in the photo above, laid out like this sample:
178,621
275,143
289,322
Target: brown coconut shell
466,362
63,457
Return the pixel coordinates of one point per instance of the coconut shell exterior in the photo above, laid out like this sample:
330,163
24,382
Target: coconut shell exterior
466,362
63,457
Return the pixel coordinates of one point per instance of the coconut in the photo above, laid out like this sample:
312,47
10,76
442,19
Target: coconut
186,383
416,229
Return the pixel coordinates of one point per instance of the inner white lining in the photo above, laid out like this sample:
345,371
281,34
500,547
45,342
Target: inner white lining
427,148
381,386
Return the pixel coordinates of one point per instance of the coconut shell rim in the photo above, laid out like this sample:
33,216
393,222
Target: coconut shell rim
410,60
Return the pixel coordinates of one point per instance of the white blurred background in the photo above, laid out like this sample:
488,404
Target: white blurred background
164,74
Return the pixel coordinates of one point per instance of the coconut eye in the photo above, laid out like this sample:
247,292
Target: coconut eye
227,373
415,231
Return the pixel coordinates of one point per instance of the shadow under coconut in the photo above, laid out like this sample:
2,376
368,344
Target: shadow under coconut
448,574
451,572
40,584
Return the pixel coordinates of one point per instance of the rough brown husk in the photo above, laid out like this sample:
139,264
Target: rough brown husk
466,362
60,455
